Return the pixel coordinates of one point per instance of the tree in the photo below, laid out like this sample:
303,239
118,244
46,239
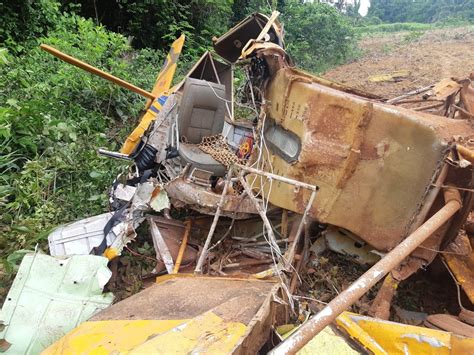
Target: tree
421,10
23,19
156,23
352,11
317,35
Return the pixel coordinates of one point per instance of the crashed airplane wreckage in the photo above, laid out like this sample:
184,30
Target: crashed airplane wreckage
284,161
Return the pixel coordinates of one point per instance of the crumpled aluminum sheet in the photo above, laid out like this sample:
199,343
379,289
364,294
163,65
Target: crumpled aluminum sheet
51,296
80,237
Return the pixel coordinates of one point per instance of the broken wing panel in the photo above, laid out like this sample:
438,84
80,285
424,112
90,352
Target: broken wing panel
383,337
51,296
196,315
160,91
165,77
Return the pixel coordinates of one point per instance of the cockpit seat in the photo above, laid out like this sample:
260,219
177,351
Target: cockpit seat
201,114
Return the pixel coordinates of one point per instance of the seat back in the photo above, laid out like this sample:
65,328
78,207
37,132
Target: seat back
202,109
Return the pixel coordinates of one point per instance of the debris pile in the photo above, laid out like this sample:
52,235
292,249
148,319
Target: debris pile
259,232
451,97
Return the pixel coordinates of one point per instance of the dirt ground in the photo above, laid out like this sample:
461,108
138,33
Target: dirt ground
428,57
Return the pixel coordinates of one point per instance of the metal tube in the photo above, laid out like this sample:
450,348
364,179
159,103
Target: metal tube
428,106
349,296
182,247
261,212
291,252
115,155
408,94
466,153
277,177
203,255
93,70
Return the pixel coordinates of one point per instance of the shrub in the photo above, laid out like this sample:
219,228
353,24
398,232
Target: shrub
317,35
53,117
24,19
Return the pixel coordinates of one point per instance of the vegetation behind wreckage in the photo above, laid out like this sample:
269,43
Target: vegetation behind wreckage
53,116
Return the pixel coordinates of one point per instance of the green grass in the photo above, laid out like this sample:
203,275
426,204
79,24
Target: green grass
407,27
394,27
53,117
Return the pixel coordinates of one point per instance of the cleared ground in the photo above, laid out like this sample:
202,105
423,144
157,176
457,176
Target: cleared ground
428,56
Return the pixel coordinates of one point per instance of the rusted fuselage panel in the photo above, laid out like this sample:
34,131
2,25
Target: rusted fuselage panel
184,193
374,163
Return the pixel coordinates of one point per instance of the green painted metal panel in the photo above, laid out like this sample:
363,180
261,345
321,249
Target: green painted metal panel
49,297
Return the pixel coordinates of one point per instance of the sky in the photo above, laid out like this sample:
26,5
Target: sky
364,6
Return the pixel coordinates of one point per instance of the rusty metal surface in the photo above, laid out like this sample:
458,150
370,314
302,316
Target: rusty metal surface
445,88
467,97
374,162
461,264
172,232
449,323
229,46
380,307
183,193
350,295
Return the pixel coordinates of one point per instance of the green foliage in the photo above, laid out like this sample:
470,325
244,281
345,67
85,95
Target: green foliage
421,10
53,117
412,36
417,28
317,35
24,19
156,23
393,27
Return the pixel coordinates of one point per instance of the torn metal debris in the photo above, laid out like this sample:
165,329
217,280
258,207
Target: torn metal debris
246,189
51,296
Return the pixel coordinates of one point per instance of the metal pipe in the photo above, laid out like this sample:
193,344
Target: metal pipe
277,177
408,94
465,152
115,155
428,107
261,212
182,247
291,252
93,70
349,296
284,223
203,255
430,198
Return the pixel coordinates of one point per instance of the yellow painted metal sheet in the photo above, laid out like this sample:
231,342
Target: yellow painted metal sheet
463,269
361,154
394,76
445,88
327,342
187,319
207,333
384,337
104,337
165,77
150,115
160,91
